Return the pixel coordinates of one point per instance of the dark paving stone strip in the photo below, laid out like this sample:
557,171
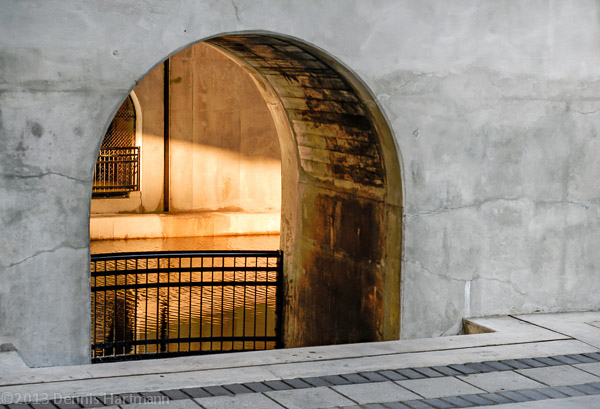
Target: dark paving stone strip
354,378
552,393
152,395
588,390
531,362
581,358
374,376
196,392
439,404
428,372
131,397
549,361
499,366
396,405
417,404
410,373
257,386
567,390
335,380
593,355
94,402
532,394
297,383
446,371
392,375
514,396
494,397
463,369
565,359
174,394
217,391
481,367
478,400
315,381
237,389
67,405
459,402
513,363
47,405
19,406
278,385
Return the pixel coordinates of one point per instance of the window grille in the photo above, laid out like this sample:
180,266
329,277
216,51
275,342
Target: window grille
118,165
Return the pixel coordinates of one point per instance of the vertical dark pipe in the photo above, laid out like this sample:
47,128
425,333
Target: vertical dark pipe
167,133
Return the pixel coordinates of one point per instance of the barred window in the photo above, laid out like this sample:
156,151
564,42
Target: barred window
117,168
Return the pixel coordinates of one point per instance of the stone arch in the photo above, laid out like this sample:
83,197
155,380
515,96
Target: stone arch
341,215
342,192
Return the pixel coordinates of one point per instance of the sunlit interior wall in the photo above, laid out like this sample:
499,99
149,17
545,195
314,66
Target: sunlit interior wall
224,149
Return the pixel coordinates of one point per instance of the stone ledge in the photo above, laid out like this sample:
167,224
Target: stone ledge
146,226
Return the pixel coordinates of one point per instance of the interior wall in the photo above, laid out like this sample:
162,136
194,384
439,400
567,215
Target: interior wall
225,151
150,94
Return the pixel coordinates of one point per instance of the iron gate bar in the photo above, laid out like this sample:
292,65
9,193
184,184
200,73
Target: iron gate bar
120,275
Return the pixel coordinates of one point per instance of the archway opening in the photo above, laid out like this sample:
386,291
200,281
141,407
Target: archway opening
340,188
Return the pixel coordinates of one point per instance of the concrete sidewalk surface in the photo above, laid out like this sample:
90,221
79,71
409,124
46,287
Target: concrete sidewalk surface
533,361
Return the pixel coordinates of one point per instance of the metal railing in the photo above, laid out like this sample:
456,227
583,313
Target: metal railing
117,171
147,305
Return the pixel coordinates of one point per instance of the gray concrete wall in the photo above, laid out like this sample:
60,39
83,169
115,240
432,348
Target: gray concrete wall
494,107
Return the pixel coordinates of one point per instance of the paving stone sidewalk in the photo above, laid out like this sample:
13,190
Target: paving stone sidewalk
472,384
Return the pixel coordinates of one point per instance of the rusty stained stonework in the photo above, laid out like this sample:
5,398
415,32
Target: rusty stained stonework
336,140
335,293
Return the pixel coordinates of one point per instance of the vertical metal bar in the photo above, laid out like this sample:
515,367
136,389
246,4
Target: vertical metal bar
126,342
179,310
95,305
135,314
222,299
201,298
255,302
114,323
190,313
244,299
212,303
279,297
233,305
168,317
146,308
137,167
158,306
267,286
105,308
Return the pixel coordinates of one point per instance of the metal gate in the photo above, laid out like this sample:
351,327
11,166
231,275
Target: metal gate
147,305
